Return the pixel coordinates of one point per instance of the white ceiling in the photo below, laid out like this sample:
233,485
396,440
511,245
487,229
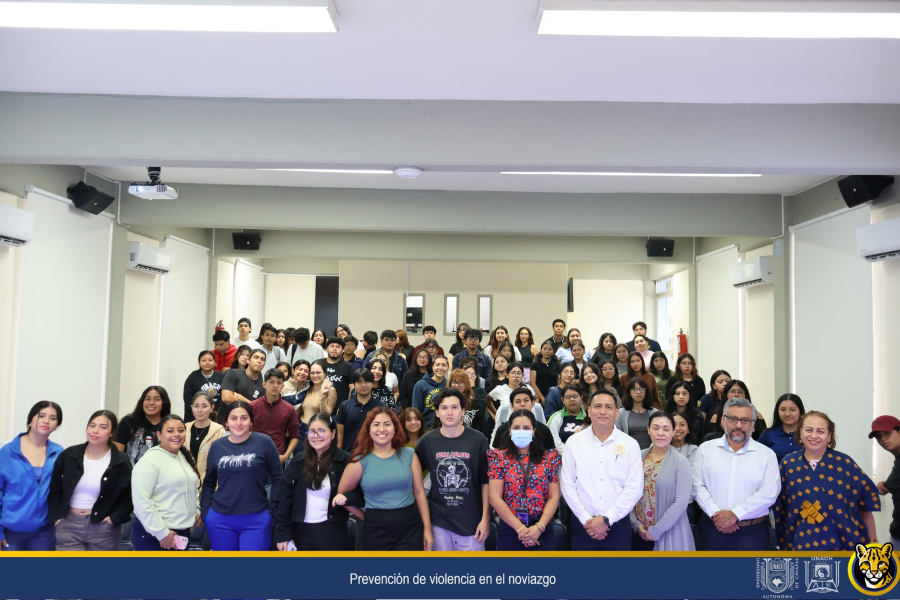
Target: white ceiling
458,49
475,181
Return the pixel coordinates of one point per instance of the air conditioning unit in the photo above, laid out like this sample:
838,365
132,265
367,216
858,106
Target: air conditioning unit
16,226
879,241
144,257
755,271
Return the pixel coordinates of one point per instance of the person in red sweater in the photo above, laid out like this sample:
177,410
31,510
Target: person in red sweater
224,351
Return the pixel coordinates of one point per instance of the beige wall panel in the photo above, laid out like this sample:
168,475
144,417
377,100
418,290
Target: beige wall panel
291,301
606,306
759,342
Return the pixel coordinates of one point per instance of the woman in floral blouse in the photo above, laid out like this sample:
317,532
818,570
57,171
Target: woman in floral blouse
524,486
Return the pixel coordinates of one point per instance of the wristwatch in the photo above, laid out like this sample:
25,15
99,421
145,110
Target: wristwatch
605,520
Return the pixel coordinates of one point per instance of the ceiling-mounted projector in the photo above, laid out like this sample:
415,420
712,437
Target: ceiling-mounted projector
153,189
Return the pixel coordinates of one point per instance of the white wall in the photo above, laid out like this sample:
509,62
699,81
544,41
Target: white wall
681,309
606,306
758,353
225,296
717,308
9,256
249,297
291,301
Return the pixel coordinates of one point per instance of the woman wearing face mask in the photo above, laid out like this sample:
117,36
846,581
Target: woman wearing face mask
620,358
90,492
390,476
241,357
544,372
637,368
637,408
711,403
26,466
296,388
780,437
659,368
164,491
524,486
233,501
422,362
826,500
204,379
564,353
680,402
564,423
660,520
610,380
642,347
202,432
566,377
605,349
305,514
686,371
138,431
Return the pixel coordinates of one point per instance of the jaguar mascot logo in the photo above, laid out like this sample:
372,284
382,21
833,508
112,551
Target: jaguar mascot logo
873,570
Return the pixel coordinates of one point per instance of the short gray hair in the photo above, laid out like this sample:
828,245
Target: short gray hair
740,403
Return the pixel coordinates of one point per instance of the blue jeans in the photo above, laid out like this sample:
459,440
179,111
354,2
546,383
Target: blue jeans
42,540
251,532
144,541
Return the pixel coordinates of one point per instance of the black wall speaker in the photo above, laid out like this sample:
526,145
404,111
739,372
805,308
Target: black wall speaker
657,248
570,295
88,198
246,241
859,189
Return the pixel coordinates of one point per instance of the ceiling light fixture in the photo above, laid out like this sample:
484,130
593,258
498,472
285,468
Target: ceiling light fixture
299,16
819,20
617,174
350,171
407,172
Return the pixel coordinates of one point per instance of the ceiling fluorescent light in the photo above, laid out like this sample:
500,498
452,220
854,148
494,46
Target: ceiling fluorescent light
302,16
617,174
820,20
353,171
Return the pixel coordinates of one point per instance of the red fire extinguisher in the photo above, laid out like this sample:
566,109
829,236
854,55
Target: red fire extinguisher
682,342
220,326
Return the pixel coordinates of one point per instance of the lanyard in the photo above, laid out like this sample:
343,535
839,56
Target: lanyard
524,470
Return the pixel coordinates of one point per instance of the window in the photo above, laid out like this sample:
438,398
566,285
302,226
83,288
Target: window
484,312
451,313
665,328
415,309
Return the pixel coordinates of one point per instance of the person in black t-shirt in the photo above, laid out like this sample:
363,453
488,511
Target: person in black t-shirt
456,459
138,431
521,399
544,371
558,337
205,379
244,384
338,370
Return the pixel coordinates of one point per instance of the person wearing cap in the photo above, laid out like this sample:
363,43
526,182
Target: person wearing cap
886,431
473,339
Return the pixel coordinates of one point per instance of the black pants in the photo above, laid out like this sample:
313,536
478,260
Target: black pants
617,539
639,544
753,538
327,535
394,529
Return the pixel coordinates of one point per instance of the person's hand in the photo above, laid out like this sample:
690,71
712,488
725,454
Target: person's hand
429,539
645,533
283,458
531,536
882,489
198,521
482,531
58,521
725,519
283,546
326,385
4,543
597,528
339,500
107,520
168,542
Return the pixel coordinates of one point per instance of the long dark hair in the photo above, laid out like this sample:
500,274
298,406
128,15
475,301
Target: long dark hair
592,367
113,423
678,374
41,405
384,371
712,383
493,379
536,450
628,401
666,371
529,342
616,382
691,437
235,364
599,347
316,467
183,450
166,407
728,386
631,372
776,418
414,369
691,414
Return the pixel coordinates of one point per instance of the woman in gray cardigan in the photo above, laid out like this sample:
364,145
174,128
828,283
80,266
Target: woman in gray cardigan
660,520
637,408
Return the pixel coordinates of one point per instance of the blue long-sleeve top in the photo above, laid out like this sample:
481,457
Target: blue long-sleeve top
553,401
241,472
23,500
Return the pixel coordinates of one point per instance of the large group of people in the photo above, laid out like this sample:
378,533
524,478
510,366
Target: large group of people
287,437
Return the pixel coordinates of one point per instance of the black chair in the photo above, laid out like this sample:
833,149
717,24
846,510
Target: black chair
561,535
351,534
196,540
125,544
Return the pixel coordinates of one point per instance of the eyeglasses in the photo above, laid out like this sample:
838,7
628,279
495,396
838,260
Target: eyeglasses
638,391
572,397
744,422
458,384
317,433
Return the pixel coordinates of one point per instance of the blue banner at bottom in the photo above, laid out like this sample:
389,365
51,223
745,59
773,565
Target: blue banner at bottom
633,575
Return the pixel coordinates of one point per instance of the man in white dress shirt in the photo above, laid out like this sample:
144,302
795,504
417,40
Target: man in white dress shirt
736,480
602,478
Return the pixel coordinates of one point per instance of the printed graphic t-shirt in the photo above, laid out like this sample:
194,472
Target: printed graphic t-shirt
458,468
340,374
138,435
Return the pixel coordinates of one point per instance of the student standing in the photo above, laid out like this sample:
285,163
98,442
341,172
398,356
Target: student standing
477,414
637,408
611,380
681,403
382,390
295,388
642,347
138,431
524,486
604,350
233,500
338,370
566,377
544,372
396,362
526,347
558,337
601,479
26,466
564,352
305,513
711,403
320,397
421,366
90,492
686,371
223,351
241,358
640,328
521,398
202,431
244,329
274,417
318,336
564,423
456,459
403,345
274,355
886,430
460,343
473,339
780,437
620,358
304,348
244,384
352,413
514,379
205,379
369,344
426,390
164,491
638,368
350,346
390,476
659,368
429,333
